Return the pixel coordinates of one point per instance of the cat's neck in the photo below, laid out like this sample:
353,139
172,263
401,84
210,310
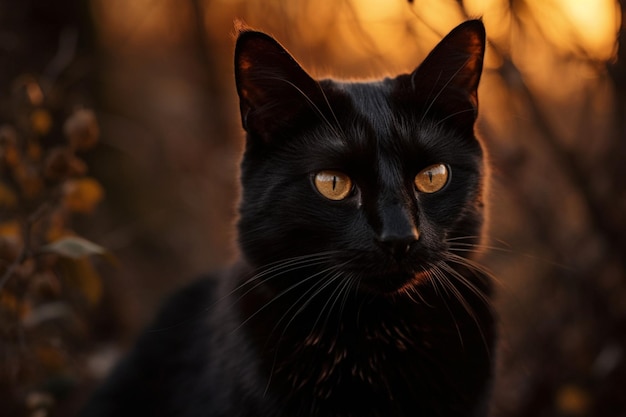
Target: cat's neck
343,347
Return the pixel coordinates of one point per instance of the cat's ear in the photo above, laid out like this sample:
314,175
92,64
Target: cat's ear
448,78
273,88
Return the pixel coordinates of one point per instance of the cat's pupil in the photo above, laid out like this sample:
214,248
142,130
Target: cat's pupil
432,179
333,185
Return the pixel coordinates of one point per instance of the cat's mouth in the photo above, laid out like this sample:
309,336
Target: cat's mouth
389,276
392,283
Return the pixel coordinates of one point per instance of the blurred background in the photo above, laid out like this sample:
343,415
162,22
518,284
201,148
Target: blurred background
119,146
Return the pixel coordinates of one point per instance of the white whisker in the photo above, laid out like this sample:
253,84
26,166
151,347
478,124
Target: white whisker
316,108
283,292
439,276
443,88
467,283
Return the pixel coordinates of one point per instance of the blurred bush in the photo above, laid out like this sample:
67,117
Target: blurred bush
47,279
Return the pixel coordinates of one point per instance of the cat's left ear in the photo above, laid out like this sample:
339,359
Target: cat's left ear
449,76
273,88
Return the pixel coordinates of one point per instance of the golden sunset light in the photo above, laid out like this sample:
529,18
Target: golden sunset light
123,125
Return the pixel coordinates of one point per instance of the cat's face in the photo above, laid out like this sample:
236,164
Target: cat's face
372,183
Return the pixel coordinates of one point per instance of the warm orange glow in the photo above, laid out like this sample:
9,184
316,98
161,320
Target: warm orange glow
579,26
128,24
583,27
376,10
595,21
495,14
370,38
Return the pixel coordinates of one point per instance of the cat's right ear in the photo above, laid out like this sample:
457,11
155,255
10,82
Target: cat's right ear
450,74
273,88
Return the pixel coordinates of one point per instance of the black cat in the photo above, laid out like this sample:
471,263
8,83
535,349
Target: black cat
356,293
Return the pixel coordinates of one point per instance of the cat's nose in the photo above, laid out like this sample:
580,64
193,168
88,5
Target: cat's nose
398,232
398,245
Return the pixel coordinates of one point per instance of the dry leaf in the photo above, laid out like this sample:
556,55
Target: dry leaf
9,303
34,151
41,122
10,155
57,227
82,130
81,275
74,247
83,195
573,400
8,199
10,240
34,92
29,180
61,163
11,232
50,358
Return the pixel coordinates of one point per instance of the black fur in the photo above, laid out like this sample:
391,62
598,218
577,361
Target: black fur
368,306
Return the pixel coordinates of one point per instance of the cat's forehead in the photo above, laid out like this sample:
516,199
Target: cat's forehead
367,124
371,101
372,118
365,94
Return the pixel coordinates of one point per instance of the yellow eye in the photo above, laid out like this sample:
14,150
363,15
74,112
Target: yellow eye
333,185
432,179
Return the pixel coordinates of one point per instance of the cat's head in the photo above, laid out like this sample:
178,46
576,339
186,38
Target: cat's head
375,182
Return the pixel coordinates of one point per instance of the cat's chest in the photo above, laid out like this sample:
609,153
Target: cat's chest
378,366
368,359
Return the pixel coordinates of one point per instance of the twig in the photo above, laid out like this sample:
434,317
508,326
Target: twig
572,169
566,160
66,53
14,265
211,82
26,250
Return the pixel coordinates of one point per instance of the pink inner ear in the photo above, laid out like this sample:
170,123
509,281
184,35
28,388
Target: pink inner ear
472,67
244,64
246,88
